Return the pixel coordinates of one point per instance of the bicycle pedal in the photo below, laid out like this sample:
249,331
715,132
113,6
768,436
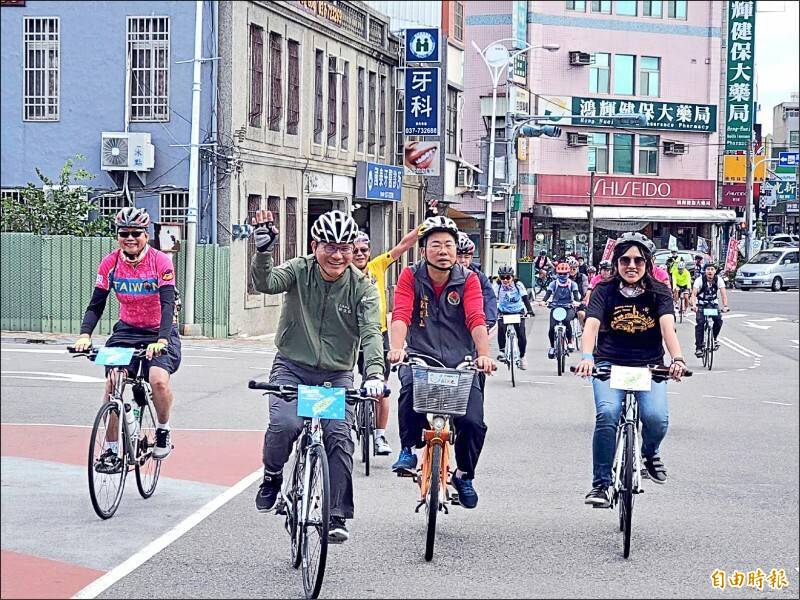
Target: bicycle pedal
454,500
420,505
443,507
280,508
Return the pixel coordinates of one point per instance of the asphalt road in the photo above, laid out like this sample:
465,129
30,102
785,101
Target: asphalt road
731,501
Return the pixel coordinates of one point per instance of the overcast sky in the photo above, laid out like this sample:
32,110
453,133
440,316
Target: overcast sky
777,63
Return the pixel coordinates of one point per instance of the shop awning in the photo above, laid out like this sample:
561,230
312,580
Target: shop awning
635,213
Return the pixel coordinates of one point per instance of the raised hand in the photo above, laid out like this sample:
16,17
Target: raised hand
264,233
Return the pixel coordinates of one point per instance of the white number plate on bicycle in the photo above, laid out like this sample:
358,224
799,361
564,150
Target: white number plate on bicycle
711,312
114,357
511,319
321,402
445,379
635,379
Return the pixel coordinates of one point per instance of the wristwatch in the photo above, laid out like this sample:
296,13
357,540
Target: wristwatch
679,359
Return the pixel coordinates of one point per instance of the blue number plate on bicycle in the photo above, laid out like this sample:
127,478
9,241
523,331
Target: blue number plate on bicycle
120,357
711,312
320,402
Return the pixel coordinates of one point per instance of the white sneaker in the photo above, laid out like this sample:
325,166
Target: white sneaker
523,363
382,447
570,348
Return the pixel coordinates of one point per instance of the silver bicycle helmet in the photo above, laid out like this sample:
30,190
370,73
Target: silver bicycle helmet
362,238
465,245
505,270
434,224
133,217
334,227
606,264
637,238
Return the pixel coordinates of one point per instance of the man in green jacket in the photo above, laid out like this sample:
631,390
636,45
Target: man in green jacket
329,311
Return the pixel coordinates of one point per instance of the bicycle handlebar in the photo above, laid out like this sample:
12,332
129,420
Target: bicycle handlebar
287,393
658,370
91,353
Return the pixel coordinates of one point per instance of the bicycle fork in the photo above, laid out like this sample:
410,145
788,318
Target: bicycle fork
631,417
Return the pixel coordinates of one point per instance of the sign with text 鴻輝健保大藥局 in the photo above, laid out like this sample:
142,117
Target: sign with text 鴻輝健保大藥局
674,116
422,102
740,75
376,181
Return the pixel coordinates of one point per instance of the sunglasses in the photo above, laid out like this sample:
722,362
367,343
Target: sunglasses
134,234
505,277
363,251
626,261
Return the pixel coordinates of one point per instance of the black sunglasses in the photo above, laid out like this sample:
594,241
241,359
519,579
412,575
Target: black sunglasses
361,251
505,277
134,234
627,260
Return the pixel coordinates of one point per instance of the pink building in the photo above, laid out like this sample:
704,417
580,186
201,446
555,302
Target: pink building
661,59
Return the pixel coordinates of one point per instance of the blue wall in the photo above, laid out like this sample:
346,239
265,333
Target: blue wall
92,93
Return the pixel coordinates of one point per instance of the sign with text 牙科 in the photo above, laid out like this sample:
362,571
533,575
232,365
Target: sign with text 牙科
422,45
740,75
421,114
673,116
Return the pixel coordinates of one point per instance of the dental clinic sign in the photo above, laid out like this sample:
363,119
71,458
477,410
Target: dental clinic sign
740,74
422,102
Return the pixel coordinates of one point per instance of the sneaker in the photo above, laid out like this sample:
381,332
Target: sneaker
268,491
467,496
382,447
655,469
523,363
407,461
716,345
163,444
570,348
598,497
501,357
699,353
108,463
337,531
551,353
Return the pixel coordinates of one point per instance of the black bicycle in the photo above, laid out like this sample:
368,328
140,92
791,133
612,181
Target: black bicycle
561,346
109,459
364,425
709,343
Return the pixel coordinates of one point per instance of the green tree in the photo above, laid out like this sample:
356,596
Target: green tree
62,210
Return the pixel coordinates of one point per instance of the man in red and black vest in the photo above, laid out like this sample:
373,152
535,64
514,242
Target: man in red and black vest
438,310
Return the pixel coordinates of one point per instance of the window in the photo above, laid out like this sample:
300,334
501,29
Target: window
382,123
332,106
649,76
108,205
794,139
648,155
256,75
459,21
599,73
376,31
623,153
291,228
172,206
579,5
624,78
253,206
789,112
360,146
651,8
275,81
148,56
293,101
318,125
676,9
274,205
626,7
372,99
601,6
345,127
452,121
598,152
42,68
15,196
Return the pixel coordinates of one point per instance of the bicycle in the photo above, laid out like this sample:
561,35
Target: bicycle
577,330
138,434
560,315
682,304
541,281
305,496
512,357
440,393
709,343
626,470
364,425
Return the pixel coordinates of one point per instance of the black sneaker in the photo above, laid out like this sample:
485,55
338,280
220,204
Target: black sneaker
268,491
598,497
655,469
337,532
699,353
108,463
163,444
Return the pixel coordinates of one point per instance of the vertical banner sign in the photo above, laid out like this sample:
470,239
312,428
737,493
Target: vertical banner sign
422,102
733,251
740,74
519,23
608,251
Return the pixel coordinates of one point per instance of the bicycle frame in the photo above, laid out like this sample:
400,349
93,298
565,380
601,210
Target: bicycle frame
629,415
310,437
433,437
120,378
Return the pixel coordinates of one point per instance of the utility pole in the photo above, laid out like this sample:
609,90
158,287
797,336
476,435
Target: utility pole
749,195
590,258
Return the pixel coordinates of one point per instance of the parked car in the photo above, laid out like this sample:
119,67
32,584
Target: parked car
686,256
776,268
784,240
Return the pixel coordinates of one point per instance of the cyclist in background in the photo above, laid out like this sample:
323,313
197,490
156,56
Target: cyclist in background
582,266
564,293
542,262
698,266
143,280
512,299
465,251
582,280
681,280
591,271
704,295
671,260
375,269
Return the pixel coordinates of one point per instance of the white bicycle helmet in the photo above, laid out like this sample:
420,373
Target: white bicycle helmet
434,224
133,217
334,227
362,238
465,245
572,262
637,238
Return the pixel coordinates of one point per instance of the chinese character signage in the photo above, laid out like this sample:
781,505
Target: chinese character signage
378,182
659,115
740,75
519,23
422,102
785,190
422,45
787,159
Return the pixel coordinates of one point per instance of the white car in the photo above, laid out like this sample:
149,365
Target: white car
783,240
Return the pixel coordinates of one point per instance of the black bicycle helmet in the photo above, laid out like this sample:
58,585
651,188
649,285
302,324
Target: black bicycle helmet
505,270
606,264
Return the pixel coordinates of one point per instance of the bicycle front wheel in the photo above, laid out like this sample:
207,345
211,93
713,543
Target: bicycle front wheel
106,483
626,504
559,354
367,412
432,501
710,347
316,522
147,468
512,358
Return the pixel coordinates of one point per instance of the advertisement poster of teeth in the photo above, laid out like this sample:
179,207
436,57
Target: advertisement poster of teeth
421,158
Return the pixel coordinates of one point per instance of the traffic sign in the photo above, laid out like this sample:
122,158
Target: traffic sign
787,159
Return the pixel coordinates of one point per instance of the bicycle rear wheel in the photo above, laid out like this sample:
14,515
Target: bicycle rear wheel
147,468
512,358
293,509
432,501
314,543
560,350
626,493
105,488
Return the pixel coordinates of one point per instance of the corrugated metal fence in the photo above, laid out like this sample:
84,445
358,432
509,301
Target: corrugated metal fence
46,283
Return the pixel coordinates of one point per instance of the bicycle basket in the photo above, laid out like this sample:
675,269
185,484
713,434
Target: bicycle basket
441,391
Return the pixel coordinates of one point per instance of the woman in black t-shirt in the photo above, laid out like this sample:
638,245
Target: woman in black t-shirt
634,316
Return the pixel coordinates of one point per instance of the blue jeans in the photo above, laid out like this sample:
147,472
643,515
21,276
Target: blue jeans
653,413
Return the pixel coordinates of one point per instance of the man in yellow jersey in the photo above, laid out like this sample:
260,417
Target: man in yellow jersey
376,269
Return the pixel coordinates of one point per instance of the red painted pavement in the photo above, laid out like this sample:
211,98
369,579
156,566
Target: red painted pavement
23,577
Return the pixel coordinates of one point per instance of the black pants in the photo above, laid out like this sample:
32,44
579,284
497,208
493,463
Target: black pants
470,429
699,329
568,322
522,337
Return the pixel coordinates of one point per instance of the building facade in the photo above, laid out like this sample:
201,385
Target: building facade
785,216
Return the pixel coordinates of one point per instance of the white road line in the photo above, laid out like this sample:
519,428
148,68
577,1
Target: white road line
778,403
175,429
741,350
47,376
208,357
753,353
36,350
720,397
103,583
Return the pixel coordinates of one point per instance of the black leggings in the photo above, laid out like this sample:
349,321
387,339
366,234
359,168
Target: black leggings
568,322
522,337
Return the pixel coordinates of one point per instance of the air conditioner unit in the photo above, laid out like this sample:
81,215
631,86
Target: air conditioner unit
674,148
577,139
580,59
126,152
463,177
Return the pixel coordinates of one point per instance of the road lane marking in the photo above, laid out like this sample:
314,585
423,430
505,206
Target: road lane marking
36,350
738,347
753,353
720,397
46,376
90,426
134,562
208,357
778,403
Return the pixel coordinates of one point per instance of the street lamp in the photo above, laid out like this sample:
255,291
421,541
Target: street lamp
497,58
